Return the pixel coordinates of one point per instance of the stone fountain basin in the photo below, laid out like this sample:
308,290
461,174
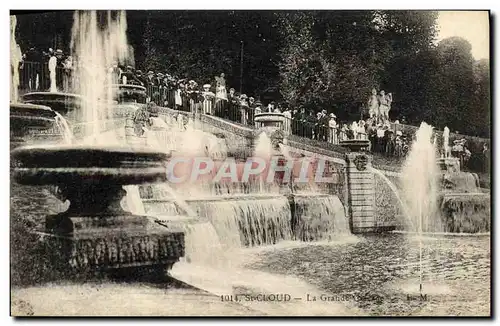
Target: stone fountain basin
68,164
269,116
60,102
32,115
129,87
355,145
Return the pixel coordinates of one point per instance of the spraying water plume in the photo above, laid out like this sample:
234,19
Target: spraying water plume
420,182
15,59
98,42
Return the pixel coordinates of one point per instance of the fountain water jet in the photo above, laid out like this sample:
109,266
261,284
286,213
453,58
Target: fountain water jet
95,49
420,182
15,59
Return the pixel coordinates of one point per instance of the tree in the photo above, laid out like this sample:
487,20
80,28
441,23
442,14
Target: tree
482,98
350,52
454,84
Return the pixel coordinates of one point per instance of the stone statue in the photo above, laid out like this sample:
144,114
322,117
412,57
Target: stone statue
389,102
383,106
373,104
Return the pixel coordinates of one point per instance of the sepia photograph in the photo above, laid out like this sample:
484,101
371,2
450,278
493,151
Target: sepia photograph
250,163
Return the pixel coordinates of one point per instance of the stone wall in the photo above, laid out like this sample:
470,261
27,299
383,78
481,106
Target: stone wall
238,137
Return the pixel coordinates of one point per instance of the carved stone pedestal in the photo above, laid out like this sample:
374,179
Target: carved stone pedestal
96,244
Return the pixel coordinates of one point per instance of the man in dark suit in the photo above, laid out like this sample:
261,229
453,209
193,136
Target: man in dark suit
150,79
140,77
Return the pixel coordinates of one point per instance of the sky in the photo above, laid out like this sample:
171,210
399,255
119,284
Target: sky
470,25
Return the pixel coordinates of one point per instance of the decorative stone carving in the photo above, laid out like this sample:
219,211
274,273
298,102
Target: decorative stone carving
360,162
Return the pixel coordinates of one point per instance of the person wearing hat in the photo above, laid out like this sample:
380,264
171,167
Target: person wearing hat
130,78
398,147
160,88
52,71
457,148
150,79
390,144
149,83
208,98
323,126
287,124
379,140
258,107
243,108
159,79
29,80
332,129
67,69
192,97
220,87
231,110
59,68
140,77
251,110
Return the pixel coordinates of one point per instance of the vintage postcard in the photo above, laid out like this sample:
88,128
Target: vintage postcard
250,163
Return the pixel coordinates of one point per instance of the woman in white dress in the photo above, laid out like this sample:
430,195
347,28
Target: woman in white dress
178,97
207,99
221,92
52,73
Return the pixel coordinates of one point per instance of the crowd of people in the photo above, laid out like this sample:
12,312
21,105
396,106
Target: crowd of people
214,99
41,70
51,71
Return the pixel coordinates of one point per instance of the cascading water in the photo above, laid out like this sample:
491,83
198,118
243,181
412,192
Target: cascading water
319,217
395,191
95,49
263,147
64,127
214,238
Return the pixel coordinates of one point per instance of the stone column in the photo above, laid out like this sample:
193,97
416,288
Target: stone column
361,187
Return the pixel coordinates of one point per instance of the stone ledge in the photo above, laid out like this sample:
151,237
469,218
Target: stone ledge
362,214
373,229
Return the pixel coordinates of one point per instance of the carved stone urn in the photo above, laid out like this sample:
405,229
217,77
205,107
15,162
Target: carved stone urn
95,234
